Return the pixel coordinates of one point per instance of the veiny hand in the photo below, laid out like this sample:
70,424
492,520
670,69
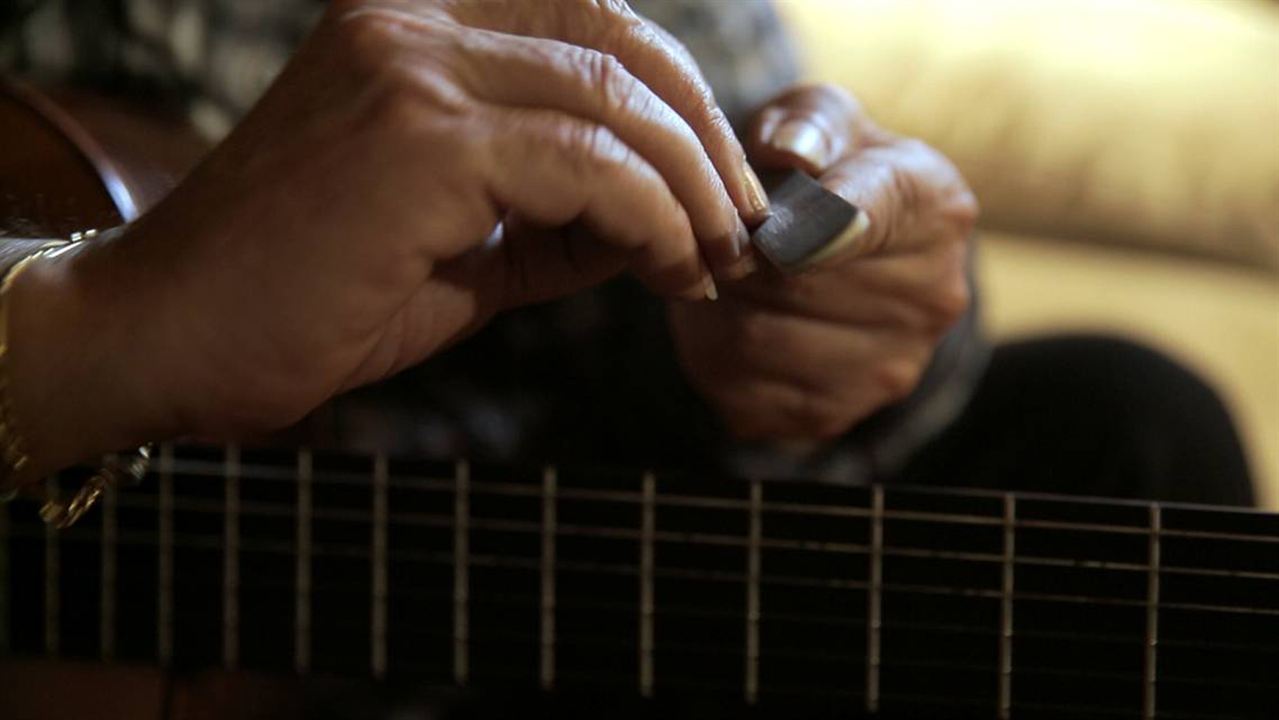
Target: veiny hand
339,234
804,358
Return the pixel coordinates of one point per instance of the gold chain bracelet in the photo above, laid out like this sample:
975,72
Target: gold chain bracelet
13,457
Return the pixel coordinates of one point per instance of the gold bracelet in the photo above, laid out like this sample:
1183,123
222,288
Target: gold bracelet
13,456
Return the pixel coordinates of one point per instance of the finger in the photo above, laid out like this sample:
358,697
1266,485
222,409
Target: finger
809,128
612,27
529,72
555,169
841,376
925,291
912,197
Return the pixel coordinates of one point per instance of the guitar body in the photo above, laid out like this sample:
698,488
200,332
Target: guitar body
276,583
72,161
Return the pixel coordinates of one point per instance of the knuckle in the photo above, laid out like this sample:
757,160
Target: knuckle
951,300
949,296
835,96
401,94
423,110
899,378
616,10
605,74
963,209
364,36
817,418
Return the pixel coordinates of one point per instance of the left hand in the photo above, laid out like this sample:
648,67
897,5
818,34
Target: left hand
804,358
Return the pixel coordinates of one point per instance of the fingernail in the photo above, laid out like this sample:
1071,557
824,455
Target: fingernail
837,244
802,139
708,282
755,195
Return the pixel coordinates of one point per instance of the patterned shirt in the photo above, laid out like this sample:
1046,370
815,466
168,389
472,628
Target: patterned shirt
220,55
591,378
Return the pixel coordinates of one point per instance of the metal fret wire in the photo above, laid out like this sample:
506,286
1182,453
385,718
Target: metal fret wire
461,572
1148,671
107,560
752,592
52,599
1006,609
1152,568
164,569
378,584
546,669
302,567
648,524
231,560
874,589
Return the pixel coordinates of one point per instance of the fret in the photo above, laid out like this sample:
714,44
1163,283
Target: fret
1148,672
377,624
874,592
52,569
752,592
461,572
107,581
1006,609
164,568
302,567
231,559
648,524
547,593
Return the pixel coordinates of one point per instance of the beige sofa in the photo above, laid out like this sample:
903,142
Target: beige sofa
1126,153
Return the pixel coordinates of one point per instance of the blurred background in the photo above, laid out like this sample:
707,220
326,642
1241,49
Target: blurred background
1126,154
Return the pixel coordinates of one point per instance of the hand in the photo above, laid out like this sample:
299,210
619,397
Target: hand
804,358
339,234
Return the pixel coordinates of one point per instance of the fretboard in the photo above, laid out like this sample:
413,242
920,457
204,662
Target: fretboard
840,601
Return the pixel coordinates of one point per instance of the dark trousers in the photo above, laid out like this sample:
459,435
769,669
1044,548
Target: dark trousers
1091,416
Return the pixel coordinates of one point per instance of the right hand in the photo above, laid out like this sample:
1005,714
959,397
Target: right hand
338,235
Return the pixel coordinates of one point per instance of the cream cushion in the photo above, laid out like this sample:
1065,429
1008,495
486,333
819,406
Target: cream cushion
1147,122
1130,124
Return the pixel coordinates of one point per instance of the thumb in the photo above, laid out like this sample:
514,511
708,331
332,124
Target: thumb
807,128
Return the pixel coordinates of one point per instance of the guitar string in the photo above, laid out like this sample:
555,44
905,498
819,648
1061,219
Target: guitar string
179,503
441,521
418,480
1026,670
444,557
402,481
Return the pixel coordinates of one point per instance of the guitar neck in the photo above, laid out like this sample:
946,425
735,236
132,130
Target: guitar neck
848,600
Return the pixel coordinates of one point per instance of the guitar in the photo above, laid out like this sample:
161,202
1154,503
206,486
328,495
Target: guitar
268,582
707,597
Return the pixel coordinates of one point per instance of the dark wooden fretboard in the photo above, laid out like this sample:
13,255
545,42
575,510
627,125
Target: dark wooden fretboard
785,599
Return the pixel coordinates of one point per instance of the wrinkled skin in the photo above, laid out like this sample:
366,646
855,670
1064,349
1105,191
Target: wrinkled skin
801,359
339,234
422,165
